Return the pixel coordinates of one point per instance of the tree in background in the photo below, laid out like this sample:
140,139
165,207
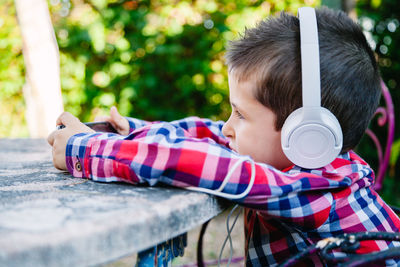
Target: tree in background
42,92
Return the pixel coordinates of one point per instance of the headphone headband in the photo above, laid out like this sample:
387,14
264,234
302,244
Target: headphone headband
309,57
311,136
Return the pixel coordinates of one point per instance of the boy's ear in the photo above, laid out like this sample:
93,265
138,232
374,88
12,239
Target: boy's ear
311,137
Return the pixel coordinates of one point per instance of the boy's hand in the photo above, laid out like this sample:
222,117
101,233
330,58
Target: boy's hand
59,138
119,123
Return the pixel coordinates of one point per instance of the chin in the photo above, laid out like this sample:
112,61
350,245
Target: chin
232,148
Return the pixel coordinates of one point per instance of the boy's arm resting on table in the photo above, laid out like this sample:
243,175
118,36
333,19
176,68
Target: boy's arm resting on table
164,152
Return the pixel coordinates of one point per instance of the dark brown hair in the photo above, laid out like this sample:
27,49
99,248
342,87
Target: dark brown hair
350,80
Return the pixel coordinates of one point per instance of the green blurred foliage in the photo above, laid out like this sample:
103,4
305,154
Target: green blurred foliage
380,20
156,60
12,107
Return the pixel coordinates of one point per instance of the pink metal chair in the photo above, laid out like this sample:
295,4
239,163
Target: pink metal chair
386,118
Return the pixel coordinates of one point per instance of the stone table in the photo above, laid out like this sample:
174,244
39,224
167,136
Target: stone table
49,218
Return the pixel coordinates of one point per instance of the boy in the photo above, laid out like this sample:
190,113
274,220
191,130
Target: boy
288,207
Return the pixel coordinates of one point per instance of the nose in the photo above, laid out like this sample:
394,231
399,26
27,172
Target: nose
227,129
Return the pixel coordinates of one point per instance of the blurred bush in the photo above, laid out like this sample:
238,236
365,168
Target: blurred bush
380,20
12,108
157,60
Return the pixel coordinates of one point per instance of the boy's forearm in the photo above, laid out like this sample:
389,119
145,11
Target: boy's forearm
139,157
108,157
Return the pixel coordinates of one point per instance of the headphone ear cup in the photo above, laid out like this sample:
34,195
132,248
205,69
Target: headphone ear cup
311,141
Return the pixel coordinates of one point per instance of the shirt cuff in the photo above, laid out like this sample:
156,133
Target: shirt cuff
77,154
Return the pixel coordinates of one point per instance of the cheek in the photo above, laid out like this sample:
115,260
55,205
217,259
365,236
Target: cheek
261,146
253,143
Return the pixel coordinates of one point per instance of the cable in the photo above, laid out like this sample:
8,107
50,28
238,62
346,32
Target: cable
217,192
228,237
200,261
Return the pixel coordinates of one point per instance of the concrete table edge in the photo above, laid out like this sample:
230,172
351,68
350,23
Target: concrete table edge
49,218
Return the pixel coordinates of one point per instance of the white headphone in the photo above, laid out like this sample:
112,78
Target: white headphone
311,136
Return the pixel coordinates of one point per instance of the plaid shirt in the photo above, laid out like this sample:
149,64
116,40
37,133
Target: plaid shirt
286,211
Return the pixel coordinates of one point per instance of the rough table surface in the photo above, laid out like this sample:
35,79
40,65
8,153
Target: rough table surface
49,218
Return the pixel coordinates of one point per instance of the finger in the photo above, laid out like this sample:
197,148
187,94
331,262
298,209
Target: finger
53,152
116,117
101,118
59,119
69,119
55,156
66,119
51,137
114,113
59,155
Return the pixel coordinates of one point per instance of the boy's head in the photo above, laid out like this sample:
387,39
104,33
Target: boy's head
268,59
